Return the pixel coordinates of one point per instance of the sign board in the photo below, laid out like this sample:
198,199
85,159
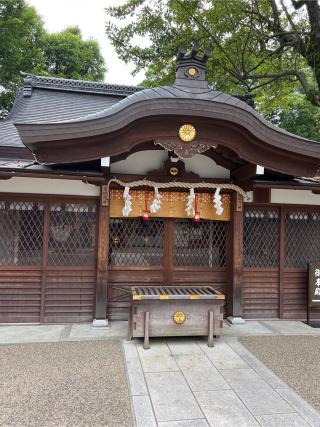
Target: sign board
313,287
314,283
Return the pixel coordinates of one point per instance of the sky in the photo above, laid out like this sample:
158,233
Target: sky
90,17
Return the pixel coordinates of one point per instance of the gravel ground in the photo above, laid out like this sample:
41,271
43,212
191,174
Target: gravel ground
64,384
295,359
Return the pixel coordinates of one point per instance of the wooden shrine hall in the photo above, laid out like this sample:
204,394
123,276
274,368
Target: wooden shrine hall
104,187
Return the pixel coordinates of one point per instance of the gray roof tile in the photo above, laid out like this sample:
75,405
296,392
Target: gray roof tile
47,100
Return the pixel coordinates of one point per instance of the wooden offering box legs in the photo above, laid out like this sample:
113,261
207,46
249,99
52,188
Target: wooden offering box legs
170,311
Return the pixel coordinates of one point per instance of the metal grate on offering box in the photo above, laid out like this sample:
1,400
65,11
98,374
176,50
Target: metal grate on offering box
170,292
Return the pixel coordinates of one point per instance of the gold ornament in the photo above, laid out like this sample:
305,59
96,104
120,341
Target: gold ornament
192,71
187,133
179,317
174,171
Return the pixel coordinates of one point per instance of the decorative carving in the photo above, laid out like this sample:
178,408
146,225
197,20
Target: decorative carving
187,133
184,151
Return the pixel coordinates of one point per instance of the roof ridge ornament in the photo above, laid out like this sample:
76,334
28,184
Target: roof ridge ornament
191,68
31,81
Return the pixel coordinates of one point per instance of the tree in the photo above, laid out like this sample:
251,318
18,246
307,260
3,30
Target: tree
21,32
67,55
256,43
26,46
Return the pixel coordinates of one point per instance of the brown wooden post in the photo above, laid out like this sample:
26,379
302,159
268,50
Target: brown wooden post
102,260
235,260
281,258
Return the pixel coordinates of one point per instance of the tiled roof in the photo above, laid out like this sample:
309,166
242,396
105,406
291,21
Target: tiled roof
48,99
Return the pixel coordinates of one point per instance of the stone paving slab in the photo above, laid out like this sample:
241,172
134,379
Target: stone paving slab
15,334
157,359
222,356
171,397
256,394
283,420
200,373
301,406
250,328
224,409
135,374
288,327
201,422
143,412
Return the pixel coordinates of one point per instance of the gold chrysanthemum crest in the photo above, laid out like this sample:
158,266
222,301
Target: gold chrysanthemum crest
179,317
187,133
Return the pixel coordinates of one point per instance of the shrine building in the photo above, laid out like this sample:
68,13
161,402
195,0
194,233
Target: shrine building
106,186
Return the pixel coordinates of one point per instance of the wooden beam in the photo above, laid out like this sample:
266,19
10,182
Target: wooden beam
245,172
262,195
102,260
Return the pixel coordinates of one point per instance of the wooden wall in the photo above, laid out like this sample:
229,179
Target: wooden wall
260,293
69,295
281,291
20,294
60,288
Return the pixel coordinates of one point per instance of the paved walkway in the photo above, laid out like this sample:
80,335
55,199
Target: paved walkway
184,383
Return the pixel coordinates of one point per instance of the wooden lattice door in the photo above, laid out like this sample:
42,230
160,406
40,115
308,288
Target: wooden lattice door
163,252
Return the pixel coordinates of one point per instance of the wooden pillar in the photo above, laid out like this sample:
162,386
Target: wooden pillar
281,259
235,258
102,260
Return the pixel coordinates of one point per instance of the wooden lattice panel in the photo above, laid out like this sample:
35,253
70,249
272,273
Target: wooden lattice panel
21,231
199,245
133,242
302,238
72,231
261,238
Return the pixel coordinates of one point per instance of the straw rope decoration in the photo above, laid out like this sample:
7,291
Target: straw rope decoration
175,184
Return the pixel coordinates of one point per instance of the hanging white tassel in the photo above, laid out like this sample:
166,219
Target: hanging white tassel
190,203
127,202
217,203
156,204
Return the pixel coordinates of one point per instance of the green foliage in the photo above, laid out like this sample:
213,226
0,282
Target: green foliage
298,117
256,48
67,55
26,46
21,32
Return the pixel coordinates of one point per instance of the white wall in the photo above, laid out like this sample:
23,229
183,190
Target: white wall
142,162
205,167
48,186
303,197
